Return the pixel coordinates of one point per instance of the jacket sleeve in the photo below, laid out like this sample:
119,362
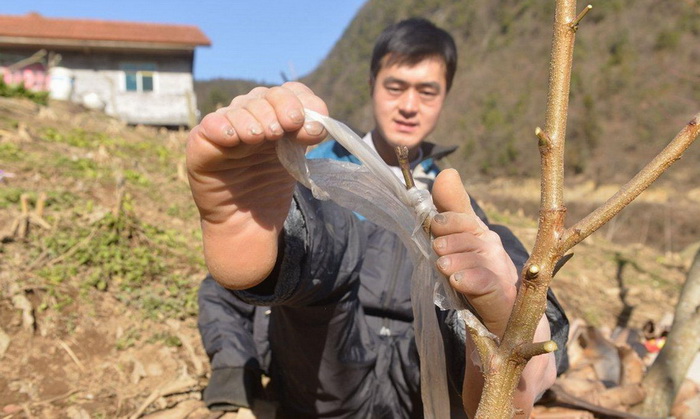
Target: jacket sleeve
227,327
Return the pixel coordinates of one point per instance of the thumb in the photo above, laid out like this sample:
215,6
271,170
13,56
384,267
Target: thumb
449,193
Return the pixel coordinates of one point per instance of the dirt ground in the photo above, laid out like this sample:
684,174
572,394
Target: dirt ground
79,342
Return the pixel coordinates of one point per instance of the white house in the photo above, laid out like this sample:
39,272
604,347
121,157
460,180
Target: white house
138,72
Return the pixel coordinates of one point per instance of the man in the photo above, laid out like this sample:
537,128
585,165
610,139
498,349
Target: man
338,339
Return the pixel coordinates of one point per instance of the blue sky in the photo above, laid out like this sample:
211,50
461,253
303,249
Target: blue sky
251,39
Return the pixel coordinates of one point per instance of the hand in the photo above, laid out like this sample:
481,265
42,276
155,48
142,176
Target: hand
473,258
471,255
239,186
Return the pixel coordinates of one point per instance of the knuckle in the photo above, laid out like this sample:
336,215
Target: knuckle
206,120
296,86
259,91
255,104
236,101
491,236
275,91
207,123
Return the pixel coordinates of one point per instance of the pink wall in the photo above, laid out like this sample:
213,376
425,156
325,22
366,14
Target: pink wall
33,76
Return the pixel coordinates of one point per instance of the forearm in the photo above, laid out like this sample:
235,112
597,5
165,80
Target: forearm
538,375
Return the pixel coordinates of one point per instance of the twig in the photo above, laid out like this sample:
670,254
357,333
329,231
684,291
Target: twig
71,354
20,225
183,384
56,398
584,12
73,249
529,350
405,165
27,412
557,395
402,156
34,58
198,367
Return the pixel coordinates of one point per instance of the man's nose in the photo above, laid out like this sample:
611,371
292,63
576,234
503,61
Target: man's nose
409,101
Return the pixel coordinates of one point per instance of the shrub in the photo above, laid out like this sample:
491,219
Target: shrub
18,90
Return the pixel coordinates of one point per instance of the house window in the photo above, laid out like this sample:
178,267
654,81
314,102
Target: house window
139,77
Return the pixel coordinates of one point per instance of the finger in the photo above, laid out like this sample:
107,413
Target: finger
248,129
491,300
449,193
264,113
457,243
448,223
450,197
450,264
470,277
307,97
215,128
289,102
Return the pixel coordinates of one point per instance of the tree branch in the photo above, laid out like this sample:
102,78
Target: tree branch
634,187
529,350
485,347
507,359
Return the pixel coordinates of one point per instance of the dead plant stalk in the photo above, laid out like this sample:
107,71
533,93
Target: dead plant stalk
503,363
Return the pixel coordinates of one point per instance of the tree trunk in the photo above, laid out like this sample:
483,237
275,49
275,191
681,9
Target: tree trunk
666,375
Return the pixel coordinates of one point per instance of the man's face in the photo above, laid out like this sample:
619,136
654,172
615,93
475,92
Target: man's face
407,101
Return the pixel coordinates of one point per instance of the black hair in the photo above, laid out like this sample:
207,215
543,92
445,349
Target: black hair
411,41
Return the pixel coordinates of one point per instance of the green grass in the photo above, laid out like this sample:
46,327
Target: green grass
18,90
10,151
140,263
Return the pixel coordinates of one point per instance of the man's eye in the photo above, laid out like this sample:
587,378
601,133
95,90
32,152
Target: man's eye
428,94
393,90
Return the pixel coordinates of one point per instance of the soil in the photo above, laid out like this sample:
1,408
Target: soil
73,351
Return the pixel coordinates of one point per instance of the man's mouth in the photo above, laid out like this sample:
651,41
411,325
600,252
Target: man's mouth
405,126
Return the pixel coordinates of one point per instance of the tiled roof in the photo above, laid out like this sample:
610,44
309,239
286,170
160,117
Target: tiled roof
33,25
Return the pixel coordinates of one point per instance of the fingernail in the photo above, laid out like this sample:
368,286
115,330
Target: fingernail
296,116
230,132
440,219
313,128
255,129
439,243
443,262
275,128
458,276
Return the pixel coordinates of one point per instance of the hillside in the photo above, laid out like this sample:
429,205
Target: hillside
100,257
635,82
